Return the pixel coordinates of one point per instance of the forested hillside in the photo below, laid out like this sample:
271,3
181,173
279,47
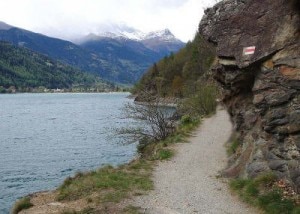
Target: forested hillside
180,74
24,70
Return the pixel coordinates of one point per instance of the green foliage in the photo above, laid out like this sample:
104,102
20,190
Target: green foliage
24,70
202,102
239,184
165,154
273,203
186,119
233,146
23,203
159,150
177,74
131,210
259,192
115,196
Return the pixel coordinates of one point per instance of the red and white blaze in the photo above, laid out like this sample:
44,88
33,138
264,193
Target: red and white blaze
249,50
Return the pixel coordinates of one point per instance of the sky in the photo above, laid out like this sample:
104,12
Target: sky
69,19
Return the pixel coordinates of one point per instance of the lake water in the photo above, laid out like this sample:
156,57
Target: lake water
46,137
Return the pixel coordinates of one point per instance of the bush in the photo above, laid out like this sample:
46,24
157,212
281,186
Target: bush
260,192
23,203
186,119
273,203
201,103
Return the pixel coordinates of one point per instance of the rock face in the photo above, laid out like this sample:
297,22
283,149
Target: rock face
258,46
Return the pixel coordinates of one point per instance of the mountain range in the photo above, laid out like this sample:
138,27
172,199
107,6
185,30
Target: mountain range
120,56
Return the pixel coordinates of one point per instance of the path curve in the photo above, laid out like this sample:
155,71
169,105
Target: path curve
188,183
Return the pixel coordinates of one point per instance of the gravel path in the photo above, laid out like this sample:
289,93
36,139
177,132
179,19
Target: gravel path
188,183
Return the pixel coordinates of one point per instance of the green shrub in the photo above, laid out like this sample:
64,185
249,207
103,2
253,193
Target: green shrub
186,119
296,210
201,103
23,203
273,203
259,192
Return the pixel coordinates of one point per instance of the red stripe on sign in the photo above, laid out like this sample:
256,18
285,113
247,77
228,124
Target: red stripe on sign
249,50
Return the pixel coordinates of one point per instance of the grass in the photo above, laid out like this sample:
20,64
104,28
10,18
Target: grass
87,210
131,210
262,192
165,154
112,184
23,203
233,145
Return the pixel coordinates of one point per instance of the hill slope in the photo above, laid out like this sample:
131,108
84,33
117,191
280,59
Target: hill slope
24,69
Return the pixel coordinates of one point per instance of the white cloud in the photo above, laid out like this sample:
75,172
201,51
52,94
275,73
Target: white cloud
66,18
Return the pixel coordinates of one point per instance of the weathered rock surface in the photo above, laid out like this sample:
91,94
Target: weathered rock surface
262,83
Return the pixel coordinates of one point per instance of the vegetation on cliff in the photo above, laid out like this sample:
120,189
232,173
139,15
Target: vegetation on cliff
180,74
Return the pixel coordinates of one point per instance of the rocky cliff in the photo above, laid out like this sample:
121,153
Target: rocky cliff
258,49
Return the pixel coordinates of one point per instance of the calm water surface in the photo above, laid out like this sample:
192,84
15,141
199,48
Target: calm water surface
46,137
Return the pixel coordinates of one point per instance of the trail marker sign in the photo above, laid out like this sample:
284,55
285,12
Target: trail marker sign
249,50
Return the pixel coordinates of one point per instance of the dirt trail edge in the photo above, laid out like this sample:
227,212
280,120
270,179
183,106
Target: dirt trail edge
188,183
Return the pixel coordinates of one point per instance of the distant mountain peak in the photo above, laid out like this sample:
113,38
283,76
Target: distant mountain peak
4,26
164,34
124,32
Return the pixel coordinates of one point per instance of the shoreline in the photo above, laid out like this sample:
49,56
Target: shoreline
46,201
76,92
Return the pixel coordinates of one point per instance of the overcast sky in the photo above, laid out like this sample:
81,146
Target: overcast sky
69,18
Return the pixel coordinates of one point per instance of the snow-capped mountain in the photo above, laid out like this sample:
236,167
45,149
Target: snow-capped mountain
110,37
162,41
124,32
165,35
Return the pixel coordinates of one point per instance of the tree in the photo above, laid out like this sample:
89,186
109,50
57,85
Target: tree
177,85
155,123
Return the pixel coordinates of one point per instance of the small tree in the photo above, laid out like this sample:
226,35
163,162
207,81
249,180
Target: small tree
155,119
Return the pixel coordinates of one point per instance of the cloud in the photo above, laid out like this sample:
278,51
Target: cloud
67,18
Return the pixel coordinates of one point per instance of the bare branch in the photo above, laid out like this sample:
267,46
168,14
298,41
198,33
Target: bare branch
156,119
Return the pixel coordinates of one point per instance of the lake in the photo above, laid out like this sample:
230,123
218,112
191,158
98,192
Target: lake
46,137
